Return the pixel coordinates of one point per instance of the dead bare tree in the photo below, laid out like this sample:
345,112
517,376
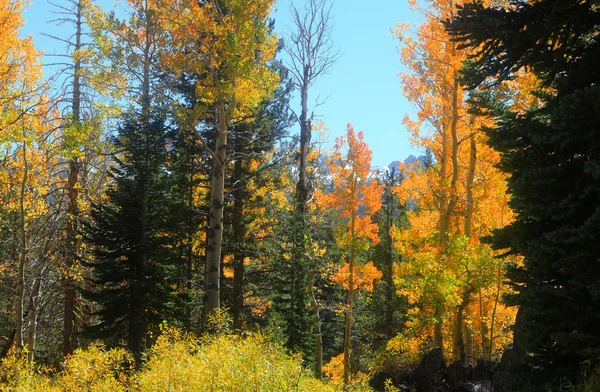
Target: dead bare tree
311,53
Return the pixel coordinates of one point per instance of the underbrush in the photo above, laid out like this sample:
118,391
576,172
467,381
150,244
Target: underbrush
177,362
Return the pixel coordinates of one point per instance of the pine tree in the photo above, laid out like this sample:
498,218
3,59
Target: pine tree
388,308
551,153
132,240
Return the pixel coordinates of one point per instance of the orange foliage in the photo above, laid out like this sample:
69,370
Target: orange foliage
364,276
355,196
458,197
355,199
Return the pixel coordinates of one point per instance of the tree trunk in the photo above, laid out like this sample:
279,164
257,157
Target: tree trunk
72,242
459,344
239,234
438,337
137,317
468,226
189,267
305,137
317,332
485,343
493,318
23,254
215,224
469,345
348,330
32,318
389,263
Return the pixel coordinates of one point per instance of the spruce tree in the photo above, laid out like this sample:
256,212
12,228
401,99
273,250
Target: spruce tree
387,308
131,237
552,155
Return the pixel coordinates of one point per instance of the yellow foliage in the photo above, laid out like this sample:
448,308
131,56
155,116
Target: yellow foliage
223,363
177,363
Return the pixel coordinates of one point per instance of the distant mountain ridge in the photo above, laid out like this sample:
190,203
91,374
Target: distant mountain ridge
376,171
384,170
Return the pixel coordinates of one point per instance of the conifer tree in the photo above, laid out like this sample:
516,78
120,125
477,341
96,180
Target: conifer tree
387,306
132,239
552,157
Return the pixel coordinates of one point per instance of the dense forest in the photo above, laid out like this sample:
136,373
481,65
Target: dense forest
170,222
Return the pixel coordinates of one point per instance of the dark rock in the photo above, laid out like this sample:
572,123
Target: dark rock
458,372
481,372
430,374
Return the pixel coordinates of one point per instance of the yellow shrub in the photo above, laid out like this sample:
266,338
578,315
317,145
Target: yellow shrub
16,375
95,369
223,363
176,363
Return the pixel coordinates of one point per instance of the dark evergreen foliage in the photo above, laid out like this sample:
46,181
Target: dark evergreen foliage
132,240
293,287
552,154
387,309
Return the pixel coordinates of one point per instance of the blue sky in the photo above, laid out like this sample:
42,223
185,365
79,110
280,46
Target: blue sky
363,87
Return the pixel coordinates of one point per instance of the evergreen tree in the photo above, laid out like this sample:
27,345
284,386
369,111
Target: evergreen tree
132,240
255,161
293,286
189,168
553,157
387,308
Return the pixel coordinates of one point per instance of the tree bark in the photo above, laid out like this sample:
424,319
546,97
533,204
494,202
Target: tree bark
32,318
468,226
459,345
215,225
317,333
485,343
71,240
348,329
239,233
20,289
389,259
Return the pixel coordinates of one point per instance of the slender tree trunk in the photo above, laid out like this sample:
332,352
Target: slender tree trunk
438,337
389,263
305,137
147,63
485,344
468,226
444,229
448,146
458,333
23,253
239,233
215,225
137,317
32,318
72,242
189,267
301,208
317,332
459,346
493,318
348,330
469,345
